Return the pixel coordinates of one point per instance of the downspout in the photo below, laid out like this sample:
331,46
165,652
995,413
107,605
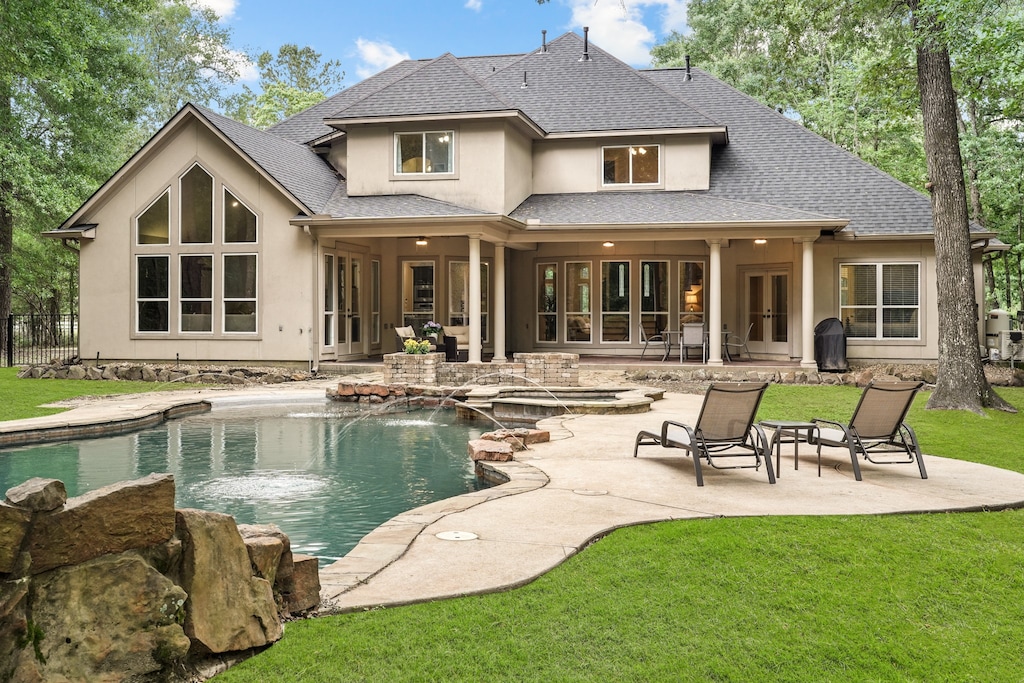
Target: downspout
314,360
74,294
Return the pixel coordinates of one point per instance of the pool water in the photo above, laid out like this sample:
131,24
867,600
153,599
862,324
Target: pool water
325,477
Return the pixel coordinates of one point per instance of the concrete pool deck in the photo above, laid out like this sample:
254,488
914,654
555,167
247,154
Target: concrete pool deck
584,483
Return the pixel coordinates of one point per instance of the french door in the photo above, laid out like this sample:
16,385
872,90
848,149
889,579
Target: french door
343,319
766,311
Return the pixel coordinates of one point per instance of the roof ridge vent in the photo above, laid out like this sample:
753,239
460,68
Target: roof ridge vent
586,45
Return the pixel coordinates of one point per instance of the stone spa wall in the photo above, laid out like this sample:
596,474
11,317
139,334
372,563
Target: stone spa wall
117,585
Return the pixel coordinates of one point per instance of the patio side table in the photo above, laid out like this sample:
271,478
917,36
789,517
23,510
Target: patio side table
789,431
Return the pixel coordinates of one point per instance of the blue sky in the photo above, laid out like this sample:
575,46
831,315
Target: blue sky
370,35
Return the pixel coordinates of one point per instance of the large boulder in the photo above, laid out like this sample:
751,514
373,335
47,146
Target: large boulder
112,519
38,495
228,608
305,585
113,618
260,540
14,525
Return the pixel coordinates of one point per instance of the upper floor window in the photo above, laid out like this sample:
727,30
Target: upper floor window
880,300
430,152
239,221
631,165
153,224
196,206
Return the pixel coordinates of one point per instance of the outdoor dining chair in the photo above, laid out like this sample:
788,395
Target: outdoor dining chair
724,429
734,341
876,428
652,338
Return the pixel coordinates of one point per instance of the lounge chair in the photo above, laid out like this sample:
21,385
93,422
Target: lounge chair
725,425
877,427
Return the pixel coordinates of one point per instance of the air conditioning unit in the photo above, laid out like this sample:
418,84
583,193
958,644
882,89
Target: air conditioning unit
1011,345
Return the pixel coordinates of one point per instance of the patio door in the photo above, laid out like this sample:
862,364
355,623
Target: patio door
350,318
766,307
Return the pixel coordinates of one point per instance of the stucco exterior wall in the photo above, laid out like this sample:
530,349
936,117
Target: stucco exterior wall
565,166
479,180
107,263
739,258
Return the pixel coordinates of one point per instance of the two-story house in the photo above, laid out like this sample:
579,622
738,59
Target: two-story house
553,200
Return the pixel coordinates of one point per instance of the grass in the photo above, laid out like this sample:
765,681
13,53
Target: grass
845,598
22,398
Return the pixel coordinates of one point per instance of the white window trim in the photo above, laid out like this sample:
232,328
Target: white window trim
396,168
590,313
213,206
224,219
879,305
139,300
182,299
224,299
140,214
628,313
657,183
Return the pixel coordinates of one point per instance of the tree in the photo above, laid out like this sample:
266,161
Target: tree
290,81
846,70
189,59
961,382
71,87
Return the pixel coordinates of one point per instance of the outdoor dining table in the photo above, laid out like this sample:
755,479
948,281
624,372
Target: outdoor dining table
677,336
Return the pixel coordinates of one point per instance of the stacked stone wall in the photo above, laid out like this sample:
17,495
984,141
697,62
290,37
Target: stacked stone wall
118,585
207,374
551,369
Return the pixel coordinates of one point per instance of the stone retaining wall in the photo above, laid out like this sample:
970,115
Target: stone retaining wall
118,585
428,369
158,373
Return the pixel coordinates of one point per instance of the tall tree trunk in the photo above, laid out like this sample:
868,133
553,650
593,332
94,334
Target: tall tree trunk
6,216
961,383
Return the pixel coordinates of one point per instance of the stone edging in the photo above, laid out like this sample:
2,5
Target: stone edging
390,541
17,435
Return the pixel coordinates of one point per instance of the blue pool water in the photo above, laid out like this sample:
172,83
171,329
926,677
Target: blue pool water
326,478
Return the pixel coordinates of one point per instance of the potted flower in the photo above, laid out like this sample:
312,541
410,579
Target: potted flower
416,347
431,329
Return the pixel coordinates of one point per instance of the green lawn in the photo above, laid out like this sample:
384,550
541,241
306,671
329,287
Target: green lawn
868,598
879,598
22,397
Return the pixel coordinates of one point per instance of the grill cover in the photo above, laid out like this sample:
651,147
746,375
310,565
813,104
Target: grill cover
830,346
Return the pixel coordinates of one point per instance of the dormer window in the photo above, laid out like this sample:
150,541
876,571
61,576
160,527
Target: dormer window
631,165
420,153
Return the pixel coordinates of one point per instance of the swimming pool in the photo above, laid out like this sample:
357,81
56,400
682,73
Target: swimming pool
326,477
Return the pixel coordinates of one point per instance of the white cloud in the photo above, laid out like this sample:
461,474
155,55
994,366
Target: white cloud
475,5
376,56
247,71
621,28
224,8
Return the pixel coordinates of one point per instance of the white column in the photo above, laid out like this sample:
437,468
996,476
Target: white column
714,285
807,306
474,299
498,304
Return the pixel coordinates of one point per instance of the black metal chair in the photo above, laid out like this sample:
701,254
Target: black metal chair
725,425
876,427
653,338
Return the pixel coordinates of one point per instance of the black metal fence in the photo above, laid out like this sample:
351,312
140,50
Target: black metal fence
32,339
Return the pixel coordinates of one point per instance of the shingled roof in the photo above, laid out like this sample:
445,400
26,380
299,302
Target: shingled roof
773,159
297,167
771,168
621,208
